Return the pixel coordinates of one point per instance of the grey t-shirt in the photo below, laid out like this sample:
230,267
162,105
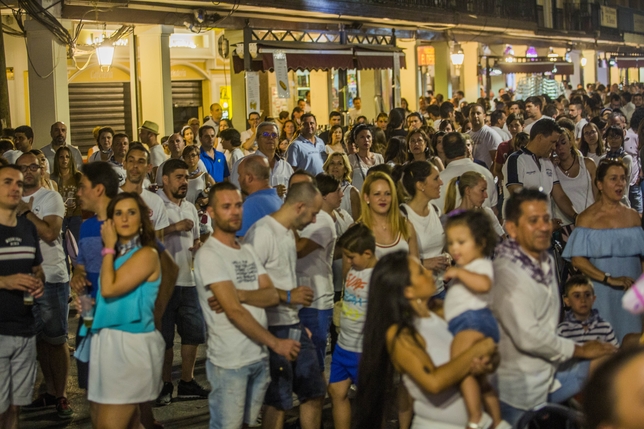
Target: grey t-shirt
354,309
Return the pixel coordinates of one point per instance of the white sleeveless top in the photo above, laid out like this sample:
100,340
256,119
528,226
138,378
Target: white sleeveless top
195,187
431,237
447,406
345,203
399,244
579,189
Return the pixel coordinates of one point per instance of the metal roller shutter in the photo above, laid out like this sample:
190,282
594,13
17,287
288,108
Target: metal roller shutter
186,93
98,104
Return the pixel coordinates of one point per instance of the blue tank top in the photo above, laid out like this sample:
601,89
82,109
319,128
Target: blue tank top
132,312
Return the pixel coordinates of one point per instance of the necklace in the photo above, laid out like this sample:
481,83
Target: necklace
566,170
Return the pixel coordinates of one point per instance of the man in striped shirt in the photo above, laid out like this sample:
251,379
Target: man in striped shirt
582,322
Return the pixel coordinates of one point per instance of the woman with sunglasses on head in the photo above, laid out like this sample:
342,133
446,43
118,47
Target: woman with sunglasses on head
614,137
591,144
363,159
126,350
45,180
607,245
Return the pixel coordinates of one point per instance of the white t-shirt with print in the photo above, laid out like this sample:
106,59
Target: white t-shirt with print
274,245
228,347
485,140
460,299
50,203
318,265
354,309
179,242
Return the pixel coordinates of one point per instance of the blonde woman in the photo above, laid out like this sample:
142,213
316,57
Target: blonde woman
337,165
380,213
471,188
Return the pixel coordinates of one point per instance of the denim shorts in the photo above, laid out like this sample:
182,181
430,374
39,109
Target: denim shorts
344,365
481,320
51,311
184,311
237,394
302,377
318,322
635,197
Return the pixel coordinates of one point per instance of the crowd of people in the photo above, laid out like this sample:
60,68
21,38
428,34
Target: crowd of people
423,252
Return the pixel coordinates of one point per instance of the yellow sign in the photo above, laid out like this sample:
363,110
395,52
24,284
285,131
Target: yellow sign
426,56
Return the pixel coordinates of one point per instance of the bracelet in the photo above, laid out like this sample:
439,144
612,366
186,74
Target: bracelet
107,251
288,296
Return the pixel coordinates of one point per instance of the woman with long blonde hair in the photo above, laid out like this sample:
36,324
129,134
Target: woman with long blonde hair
338,166
380,213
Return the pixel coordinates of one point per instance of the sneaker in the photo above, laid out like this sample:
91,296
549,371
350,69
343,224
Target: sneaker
191,390
63,409
44,400
165,397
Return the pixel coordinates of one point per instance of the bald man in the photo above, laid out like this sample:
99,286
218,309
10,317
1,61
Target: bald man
215,116
58,133
262,200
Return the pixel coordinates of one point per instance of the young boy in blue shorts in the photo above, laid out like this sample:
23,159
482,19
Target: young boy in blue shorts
359,257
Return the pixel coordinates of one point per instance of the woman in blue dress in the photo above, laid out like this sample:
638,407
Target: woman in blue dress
607,245
126,352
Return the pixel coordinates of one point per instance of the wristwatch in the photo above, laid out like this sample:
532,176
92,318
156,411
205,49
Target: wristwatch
606,277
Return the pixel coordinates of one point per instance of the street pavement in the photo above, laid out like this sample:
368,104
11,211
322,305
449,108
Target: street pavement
179,414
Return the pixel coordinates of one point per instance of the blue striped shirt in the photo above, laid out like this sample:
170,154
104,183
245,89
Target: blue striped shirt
592,329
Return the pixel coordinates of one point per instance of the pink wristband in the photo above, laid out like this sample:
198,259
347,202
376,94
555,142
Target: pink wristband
108,251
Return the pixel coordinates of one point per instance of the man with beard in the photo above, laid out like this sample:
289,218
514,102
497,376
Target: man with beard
23,139
181,239
46,210
240,290
58,134
120,146
137,167
273,240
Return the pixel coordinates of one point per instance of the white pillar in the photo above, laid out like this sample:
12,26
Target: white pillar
319,82
368,93
48,92
470,71
155,78
409,75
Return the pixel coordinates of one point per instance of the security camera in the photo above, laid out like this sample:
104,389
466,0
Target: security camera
200,15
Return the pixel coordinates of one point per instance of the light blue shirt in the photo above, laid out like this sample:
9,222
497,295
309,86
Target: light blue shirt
306,155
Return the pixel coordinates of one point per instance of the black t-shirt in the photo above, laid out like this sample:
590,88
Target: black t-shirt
19,253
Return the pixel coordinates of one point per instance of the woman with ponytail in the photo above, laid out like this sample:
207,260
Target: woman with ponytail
469,191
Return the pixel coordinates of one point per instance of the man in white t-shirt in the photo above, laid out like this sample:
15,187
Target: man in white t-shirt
533,106
486,141
137,167
46,210
181,239
149,134
248,137
238,360
356,111
576,112
273,241
531,167
23,140
497,119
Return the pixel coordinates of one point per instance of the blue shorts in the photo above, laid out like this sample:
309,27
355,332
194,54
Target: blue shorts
344,365
184,311
302,377
481,320
51,311
635,198
237,394
318,322
572,375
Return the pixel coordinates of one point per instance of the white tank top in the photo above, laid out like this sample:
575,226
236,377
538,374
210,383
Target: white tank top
447,406
345,203
399,244
579,189
431,237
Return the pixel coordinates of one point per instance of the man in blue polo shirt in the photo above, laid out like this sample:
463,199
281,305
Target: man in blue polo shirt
214,161
262,200
307,151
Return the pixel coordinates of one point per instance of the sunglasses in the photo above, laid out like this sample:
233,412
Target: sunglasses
266,134
32,167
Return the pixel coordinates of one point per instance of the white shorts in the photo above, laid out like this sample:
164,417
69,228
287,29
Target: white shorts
125,368
17,370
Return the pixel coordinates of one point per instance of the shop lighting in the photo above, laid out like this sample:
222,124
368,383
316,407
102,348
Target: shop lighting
105,54
552,55
531,52
584,61
612,62
457,55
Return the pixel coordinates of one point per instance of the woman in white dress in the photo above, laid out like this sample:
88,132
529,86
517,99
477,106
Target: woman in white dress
403,335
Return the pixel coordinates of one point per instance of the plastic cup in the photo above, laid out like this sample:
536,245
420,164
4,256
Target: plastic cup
87,309
294,334
27,298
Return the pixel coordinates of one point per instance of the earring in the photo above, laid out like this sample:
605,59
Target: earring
422,190
419,301
367,202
